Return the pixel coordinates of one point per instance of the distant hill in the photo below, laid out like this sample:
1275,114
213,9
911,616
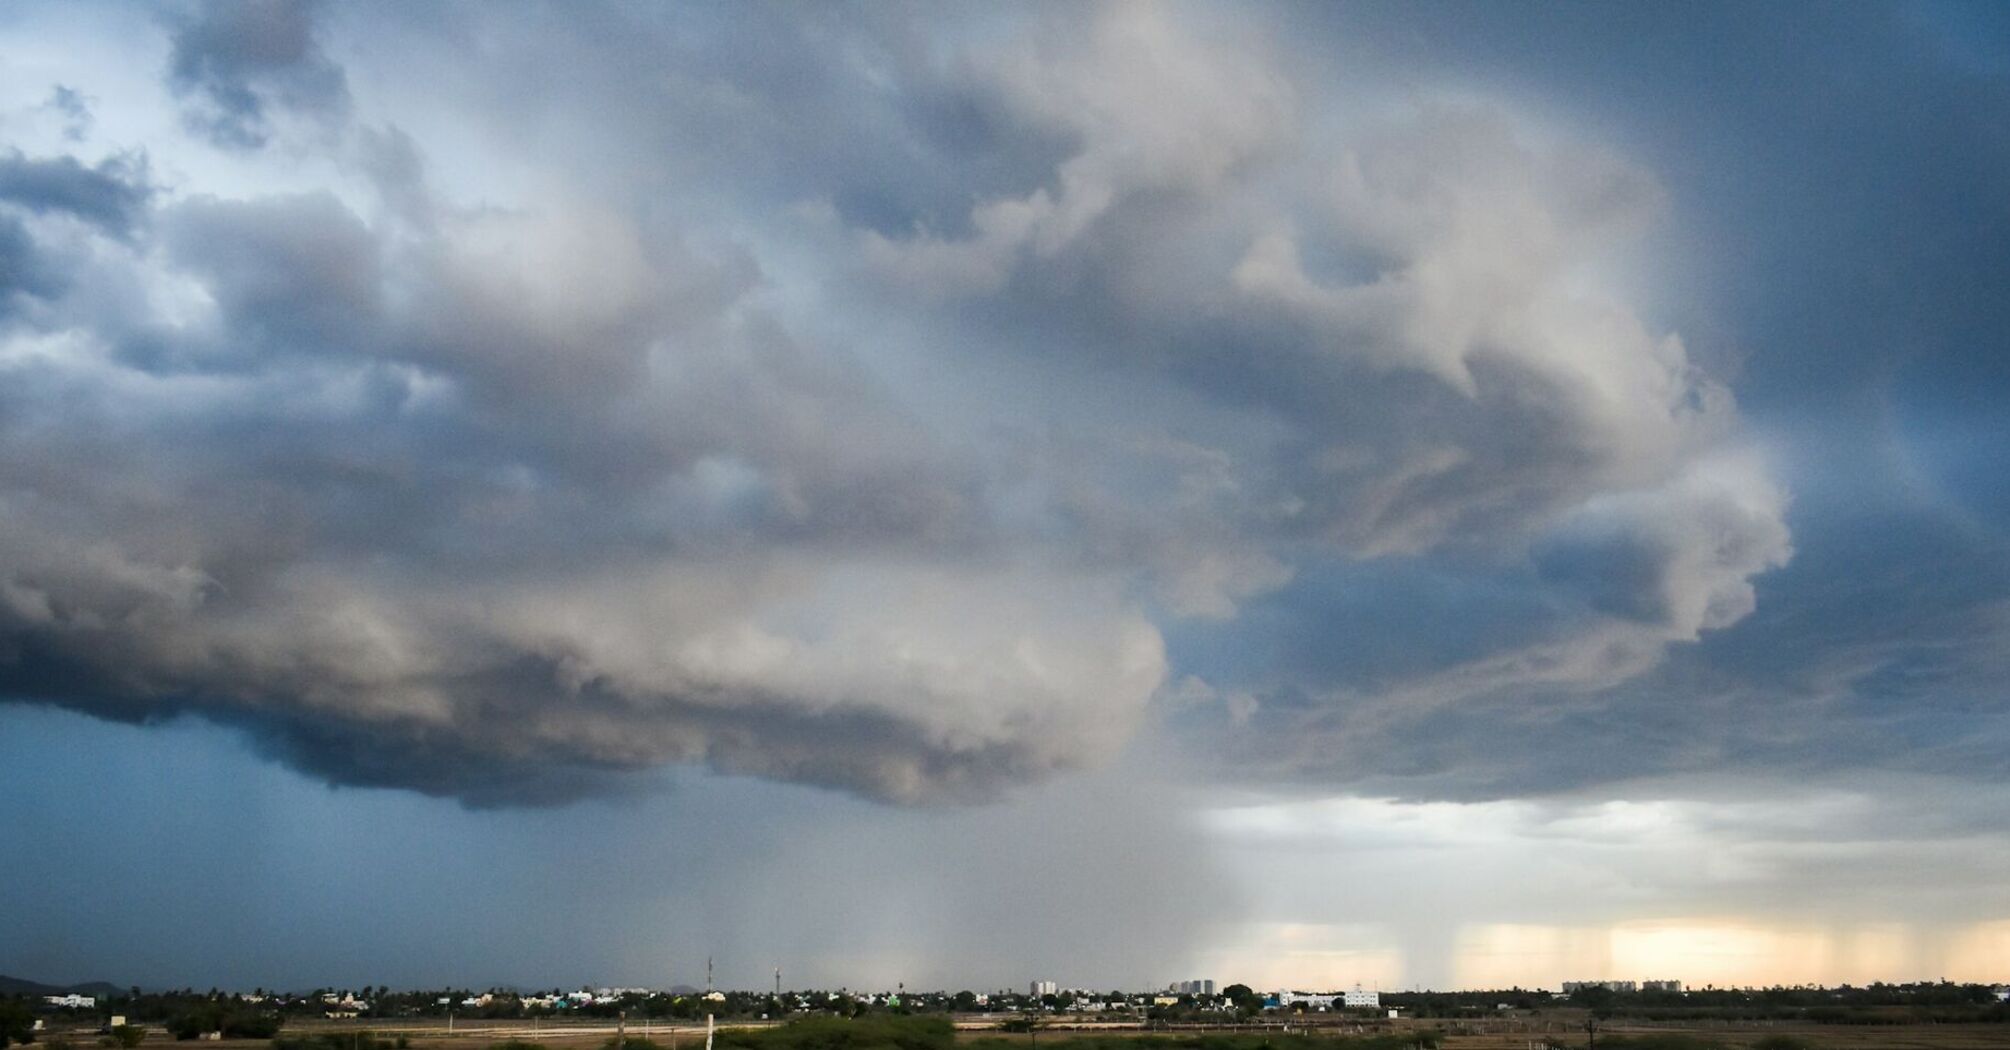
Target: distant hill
17,986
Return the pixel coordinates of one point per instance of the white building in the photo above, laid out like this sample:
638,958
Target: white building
72,1001
1311,1000
1040,988
1357,997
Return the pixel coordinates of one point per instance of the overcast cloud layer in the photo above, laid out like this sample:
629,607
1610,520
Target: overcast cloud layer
1544,412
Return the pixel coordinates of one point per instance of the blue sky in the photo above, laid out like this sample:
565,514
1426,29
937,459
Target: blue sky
1408,494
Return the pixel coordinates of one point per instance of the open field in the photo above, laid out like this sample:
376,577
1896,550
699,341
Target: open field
1491,1034
1565,1027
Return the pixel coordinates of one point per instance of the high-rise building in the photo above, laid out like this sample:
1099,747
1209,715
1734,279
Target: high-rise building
1040,988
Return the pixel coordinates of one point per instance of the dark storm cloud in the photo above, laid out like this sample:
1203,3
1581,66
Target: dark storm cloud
336,523
567,485
241,62
864,401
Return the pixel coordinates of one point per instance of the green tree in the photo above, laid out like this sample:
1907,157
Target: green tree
17,1022
128,1035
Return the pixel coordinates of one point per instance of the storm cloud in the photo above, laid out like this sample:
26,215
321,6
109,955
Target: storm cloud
440,462
1534,468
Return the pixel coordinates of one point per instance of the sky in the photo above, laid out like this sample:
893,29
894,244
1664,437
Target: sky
1417,495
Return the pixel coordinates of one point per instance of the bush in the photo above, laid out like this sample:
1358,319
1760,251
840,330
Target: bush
1783,1042
126,1035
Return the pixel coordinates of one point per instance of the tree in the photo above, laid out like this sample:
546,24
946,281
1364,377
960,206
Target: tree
17,1023
1597,999
1246,1001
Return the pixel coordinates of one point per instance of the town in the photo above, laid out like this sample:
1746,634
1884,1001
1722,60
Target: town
520,1019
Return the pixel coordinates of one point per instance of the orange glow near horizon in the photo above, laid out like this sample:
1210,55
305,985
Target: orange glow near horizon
1703,951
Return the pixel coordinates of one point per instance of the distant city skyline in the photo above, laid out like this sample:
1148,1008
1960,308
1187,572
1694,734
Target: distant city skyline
1417,495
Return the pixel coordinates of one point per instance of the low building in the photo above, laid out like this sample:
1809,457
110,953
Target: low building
1357,997
1661,986
72,1001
